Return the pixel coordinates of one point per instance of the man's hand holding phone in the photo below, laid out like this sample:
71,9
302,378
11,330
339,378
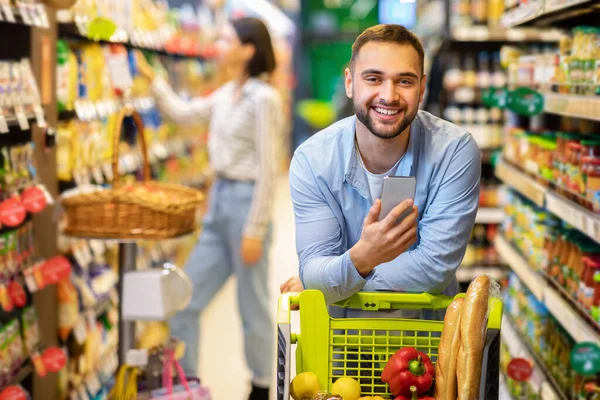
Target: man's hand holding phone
383,241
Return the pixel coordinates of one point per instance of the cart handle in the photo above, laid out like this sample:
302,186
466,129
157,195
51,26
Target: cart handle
374,301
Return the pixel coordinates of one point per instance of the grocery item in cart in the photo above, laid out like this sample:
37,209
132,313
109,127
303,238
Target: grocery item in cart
445,376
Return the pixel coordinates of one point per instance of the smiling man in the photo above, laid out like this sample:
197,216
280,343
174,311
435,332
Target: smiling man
336,180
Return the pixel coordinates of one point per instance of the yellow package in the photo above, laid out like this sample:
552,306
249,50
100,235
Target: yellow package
64,151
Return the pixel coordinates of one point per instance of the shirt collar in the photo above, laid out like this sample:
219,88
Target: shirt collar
353,173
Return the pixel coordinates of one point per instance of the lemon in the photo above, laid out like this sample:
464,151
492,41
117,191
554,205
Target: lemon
305,384
346,387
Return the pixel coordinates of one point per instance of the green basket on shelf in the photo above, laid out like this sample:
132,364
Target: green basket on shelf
360,347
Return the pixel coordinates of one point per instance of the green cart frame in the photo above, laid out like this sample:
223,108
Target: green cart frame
360,347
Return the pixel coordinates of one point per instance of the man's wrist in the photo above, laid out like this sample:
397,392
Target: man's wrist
359,259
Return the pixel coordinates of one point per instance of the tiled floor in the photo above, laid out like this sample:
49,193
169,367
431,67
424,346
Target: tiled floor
222,364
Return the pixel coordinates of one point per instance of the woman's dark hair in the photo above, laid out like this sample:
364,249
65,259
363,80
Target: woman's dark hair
253,31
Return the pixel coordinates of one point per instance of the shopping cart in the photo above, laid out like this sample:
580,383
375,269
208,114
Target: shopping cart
360,347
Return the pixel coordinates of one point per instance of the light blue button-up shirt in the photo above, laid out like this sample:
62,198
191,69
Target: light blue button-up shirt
331,198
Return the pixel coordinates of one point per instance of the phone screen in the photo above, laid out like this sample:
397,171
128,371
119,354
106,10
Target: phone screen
396,189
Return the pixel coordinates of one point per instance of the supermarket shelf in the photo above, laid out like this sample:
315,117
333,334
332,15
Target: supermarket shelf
12,121
467,274
93,111
71,30
22,373
534,281
13,15
565,312
572,105
541,379
489,215
486,34
521,182
582,219
541,13
574,304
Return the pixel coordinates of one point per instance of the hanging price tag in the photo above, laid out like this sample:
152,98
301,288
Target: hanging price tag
8,13
40,119
21,118
25,13
30,280
36,18
34,200
12,212
49,198
41,10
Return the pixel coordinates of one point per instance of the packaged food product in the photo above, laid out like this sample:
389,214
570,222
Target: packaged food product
587,284
31,330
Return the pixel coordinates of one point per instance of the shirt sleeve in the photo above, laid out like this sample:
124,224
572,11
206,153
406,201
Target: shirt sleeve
324,265
197,110
269,125
444,230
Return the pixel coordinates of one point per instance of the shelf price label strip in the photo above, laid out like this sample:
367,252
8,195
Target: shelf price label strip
525,185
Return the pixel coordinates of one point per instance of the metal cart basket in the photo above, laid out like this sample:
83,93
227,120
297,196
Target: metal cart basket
360,347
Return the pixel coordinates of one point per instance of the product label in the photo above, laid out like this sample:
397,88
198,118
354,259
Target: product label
17,294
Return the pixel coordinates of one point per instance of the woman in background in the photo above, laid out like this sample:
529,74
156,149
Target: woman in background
245,117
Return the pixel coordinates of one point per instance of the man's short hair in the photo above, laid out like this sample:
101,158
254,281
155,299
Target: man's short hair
391,33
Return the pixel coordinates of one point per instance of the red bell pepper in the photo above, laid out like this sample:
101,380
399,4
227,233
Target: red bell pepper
408,367
414,396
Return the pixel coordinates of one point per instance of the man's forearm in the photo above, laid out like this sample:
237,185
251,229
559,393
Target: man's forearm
359,256
335,276
414,272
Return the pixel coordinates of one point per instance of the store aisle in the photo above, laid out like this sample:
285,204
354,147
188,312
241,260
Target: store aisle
222,363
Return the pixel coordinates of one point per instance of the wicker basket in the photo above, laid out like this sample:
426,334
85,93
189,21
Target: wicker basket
143,210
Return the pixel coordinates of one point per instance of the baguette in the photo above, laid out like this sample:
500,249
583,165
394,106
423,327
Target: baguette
445,374
472,338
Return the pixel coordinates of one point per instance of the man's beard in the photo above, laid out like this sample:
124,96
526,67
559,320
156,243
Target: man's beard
363,116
